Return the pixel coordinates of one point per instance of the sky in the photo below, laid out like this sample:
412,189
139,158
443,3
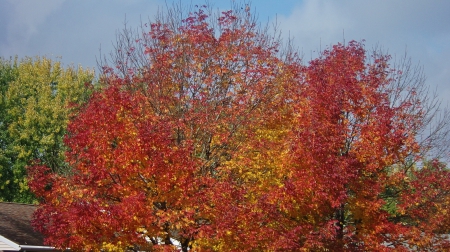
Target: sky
74,30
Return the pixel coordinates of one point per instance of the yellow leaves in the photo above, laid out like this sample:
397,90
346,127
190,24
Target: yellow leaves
37,104
231,146
107,246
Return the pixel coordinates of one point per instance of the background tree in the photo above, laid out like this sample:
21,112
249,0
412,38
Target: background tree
36,95
208,136
8,73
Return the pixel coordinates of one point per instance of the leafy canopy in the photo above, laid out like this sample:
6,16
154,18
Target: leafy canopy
208,136
37,97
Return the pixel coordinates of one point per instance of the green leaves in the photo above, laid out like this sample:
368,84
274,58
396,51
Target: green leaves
38,96
8,72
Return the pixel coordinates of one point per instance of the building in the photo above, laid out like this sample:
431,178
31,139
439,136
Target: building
16,233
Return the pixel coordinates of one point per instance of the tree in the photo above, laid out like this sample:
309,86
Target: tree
348,138
208,136
8,73
36,95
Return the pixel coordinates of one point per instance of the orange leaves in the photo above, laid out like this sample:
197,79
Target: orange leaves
125,165
215,143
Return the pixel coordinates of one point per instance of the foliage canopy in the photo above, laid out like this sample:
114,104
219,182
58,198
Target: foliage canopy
211,136
34,111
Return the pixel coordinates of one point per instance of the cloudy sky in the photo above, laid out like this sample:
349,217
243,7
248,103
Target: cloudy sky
75,29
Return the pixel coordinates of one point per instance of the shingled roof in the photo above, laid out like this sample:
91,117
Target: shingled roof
15,226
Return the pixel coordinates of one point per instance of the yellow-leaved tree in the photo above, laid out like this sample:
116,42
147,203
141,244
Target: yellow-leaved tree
37,97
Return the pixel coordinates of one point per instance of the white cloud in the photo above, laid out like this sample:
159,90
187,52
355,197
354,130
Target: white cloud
76,29
73,30
419,27
24,20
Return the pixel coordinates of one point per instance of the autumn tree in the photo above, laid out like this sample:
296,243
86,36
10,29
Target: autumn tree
35,97
209,135
351,141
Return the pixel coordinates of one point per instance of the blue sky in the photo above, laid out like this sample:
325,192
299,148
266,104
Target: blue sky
75,29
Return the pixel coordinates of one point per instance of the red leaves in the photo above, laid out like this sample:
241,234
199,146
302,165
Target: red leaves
220,145
124,163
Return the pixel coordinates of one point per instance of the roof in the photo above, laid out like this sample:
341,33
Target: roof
15,224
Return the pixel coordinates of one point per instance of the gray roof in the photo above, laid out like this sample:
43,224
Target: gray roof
15,224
